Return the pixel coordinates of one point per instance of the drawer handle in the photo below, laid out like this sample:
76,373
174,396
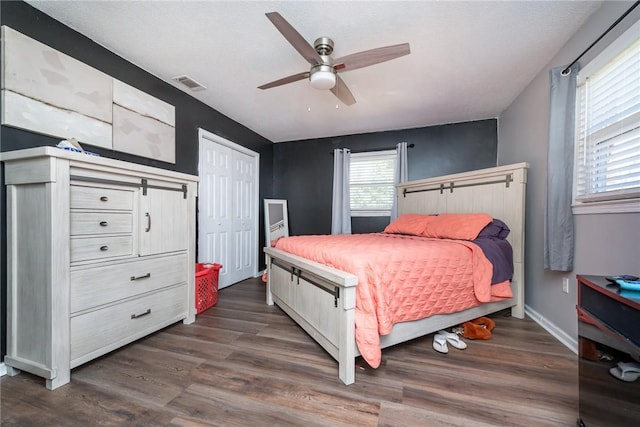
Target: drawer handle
104,198
148,215
103,223
135,316
104,248
146,276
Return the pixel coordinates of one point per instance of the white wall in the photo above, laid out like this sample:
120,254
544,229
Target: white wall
605,244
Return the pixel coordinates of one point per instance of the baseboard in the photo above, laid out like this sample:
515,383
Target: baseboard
3,369
570,342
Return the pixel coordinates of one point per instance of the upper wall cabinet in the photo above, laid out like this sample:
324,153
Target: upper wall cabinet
48,92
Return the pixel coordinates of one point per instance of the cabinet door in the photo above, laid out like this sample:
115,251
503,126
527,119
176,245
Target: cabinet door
164,222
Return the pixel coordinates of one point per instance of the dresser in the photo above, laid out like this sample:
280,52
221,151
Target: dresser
100,253
608,323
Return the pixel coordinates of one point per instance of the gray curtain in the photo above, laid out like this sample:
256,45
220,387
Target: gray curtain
401,175
558,224
341,207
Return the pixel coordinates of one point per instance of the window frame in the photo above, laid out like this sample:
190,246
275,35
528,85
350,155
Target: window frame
372,154
625,201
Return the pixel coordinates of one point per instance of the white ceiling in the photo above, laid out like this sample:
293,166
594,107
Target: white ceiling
468,61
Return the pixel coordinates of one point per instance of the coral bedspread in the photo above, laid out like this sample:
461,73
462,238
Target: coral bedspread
402,278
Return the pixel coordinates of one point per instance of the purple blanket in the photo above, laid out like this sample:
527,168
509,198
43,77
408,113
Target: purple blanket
500,253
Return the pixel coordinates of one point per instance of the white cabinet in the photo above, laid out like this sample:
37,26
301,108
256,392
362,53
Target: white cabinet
100,253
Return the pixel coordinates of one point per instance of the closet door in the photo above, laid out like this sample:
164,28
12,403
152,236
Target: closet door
227,211
244,233
214,207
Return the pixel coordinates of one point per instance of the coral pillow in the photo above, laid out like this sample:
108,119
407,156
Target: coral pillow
457,226
414,224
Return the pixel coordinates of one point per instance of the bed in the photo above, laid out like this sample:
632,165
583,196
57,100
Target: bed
322,299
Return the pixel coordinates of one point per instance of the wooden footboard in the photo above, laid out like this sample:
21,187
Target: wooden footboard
322,299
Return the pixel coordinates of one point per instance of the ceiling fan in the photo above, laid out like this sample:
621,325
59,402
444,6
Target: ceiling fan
324,69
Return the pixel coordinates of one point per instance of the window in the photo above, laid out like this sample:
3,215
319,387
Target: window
371,183
607,160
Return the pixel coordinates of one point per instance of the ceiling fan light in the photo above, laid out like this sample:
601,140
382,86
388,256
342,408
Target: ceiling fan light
323,79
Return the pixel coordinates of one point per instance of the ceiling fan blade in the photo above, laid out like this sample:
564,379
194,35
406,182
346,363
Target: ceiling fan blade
371,57
285,80
342,92
297,41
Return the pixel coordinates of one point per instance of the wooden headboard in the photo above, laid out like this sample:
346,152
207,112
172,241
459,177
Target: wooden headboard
498,191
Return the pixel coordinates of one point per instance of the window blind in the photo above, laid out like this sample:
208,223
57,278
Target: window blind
608,124
371,180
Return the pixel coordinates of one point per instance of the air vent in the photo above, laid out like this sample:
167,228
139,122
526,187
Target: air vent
190,83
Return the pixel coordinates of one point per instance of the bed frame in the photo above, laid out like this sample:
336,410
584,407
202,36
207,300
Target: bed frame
322,299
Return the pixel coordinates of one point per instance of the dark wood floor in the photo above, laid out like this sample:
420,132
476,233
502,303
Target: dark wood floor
243,363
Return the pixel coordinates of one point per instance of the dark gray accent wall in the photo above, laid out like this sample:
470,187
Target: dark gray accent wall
191,114
303,170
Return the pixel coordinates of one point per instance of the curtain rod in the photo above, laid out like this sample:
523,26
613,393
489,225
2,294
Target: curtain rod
567,70
378,149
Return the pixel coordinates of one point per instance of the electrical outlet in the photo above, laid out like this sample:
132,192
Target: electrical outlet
565,285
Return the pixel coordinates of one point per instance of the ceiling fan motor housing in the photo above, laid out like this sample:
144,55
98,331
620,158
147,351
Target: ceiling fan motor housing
324,46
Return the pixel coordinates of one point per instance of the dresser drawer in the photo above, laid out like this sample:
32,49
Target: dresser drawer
89,248
114,326
91,287
101,198
83,223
